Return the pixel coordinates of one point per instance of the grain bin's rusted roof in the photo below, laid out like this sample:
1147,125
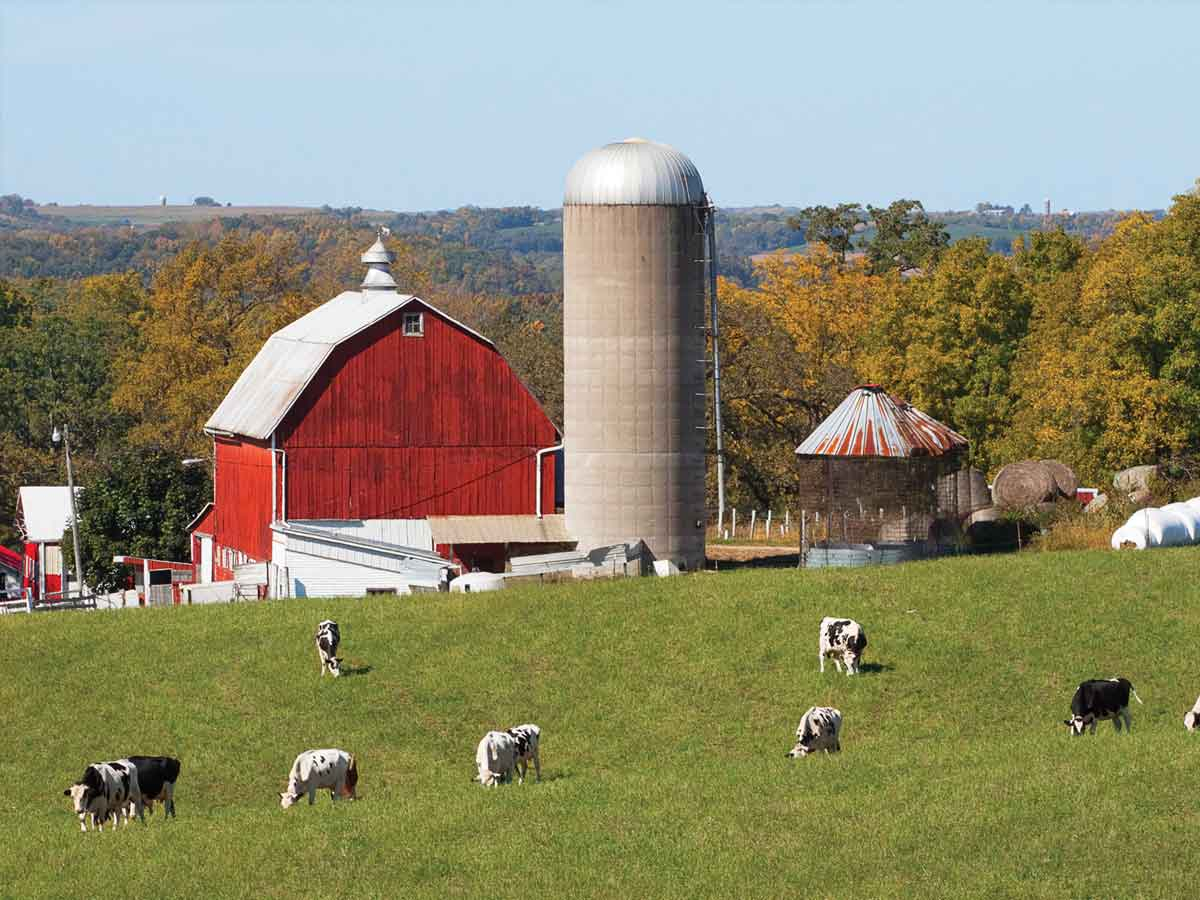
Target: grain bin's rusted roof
869,423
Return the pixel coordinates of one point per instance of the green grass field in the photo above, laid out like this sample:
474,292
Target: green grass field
666,706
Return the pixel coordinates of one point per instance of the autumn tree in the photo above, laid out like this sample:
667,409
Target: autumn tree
210,309
790,353
1110,374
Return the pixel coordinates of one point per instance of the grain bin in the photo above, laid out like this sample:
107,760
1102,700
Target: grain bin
633,350
877,482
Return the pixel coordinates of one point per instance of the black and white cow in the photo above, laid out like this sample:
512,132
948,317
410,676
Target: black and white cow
328,639
820,728
1099,699
156,780
844,640
495,757
1192,718
106,789
527,737
313,770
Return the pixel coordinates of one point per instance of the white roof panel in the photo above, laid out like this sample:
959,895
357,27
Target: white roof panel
292,356
46,512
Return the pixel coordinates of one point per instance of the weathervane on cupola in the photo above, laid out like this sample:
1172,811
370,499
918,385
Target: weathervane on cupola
379,260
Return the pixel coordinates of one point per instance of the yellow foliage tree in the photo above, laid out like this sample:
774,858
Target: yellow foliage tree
791,351
210,309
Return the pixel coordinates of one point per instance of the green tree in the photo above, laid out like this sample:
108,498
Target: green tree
948,342
138,503
833,226
905,237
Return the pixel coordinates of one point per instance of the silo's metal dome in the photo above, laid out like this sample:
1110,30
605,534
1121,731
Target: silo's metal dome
634,172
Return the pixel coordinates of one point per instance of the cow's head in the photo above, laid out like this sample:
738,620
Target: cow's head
287,799
804,739
335,666
79,795
1077,724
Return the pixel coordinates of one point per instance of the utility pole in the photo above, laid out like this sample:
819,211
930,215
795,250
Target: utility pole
716,354
66,442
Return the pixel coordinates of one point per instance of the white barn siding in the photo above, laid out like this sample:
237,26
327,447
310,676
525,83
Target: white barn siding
346,559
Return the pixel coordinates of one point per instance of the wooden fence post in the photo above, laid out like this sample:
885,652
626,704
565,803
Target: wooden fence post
753,516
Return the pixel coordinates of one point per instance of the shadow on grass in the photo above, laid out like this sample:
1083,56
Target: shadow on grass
355,670
873,668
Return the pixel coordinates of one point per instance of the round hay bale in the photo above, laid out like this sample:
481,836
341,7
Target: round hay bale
1064,477
1137,478
1021,485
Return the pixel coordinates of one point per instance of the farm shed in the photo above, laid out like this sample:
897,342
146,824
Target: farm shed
375,407
11,568
43,514
878,482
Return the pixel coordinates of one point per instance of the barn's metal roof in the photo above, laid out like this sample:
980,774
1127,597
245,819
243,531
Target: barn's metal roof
45,512
634,172
870,423
292,356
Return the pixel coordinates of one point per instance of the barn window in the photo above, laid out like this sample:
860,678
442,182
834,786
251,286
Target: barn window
414,324
380,590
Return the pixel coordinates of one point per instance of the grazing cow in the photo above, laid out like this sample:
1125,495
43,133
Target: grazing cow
1097,700
156,779
313,770
527,738
844,640
495,757
328,638
106,789
820,729
1192,719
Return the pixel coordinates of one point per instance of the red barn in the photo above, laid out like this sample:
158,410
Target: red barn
362,419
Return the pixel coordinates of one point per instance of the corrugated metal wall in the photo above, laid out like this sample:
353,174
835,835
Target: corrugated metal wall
242,509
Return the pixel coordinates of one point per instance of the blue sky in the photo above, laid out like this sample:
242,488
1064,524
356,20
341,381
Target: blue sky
435,105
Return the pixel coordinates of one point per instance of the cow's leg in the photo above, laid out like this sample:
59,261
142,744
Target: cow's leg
169,801
138,805
851,664
1128,718
522,767
1093,724
83,822
537,765
821,660
837,664
312,796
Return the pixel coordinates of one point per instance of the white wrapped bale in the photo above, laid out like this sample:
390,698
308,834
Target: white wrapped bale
1175,525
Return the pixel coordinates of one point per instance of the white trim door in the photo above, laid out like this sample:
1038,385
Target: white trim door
206,559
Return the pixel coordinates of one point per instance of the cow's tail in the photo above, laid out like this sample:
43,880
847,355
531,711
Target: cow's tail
351,776
492,750
1135,696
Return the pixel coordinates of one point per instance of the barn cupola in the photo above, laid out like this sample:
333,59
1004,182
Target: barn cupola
379,262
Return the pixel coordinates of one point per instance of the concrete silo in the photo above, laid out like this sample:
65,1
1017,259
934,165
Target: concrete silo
633,345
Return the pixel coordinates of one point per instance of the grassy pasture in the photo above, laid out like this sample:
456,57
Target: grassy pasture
667,707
